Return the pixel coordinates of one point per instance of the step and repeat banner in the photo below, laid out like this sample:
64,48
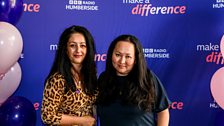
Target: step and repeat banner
182,39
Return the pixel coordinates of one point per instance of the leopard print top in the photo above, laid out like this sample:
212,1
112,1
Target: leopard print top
56,102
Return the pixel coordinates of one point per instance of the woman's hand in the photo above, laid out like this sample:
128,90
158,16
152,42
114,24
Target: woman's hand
88,121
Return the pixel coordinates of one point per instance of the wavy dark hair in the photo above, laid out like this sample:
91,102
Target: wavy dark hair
140,89
63,65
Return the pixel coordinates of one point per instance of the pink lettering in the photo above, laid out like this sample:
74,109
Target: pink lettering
31,7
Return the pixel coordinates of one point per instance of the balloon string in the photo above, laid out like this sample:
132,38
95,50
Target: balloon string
1,76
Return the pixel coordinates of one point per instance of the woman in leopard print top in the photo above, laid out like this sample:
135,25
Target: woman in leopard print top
71,86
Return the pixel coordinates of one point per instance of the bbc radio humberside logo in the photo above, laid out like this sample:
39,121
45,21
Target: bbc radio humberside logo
82,5
145,8
218,4
156,53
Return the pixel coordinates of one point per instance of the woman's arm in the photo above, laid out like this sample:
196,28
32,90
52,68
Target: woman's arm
75,120
52,95
163,118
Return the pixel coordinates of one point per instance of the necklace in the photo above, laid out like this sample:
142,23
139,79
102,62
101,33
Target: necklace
78,86
76,77
77,91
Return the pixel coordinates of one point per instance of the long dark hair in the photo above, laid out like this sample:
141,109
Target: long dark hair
140,84
62,64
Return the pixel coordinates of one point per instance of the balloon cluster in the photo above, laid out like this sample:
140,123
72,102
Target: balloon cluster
14,111
11,45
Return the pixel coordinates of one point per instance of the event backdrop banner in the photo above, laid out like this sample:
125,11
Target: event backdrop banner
182,41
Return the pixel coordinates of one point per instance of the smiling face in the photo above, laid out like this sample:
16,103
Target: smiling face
76,48
123,58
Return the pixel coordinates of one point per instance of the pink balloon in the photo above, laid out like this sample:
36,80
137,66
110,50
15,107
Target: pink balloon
9,82
217,87
11,45
222,45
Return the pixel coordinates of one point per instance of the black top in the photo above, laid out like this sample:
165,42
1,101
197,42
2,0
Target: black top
119,114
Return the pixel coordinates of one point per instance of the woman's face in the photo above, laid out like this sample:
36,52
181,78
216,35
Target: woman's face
76,48
123,57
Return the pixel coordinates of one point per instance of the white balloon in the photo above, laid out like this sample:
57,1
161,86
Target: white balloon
11,44
222,46
217,86
9,82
